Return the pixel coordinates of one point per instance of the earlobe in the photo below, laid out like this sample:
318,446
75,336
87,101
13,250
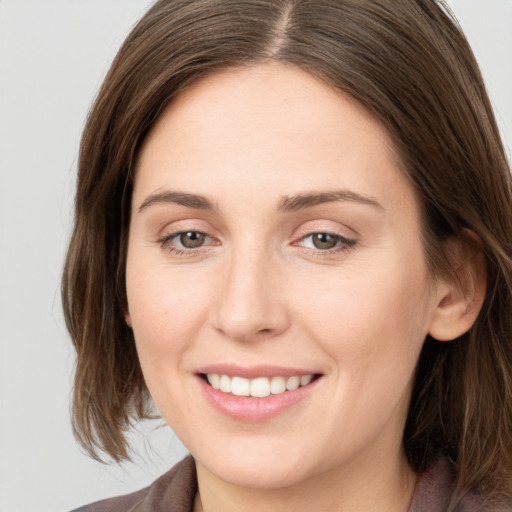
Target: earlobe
462,294
128,318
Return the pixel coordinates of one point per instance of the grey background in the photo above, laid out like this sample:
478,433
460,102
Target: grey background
53,55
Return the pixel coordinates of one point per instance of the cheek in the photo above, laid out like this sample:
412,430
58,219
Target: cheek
372,327
166,311
372,319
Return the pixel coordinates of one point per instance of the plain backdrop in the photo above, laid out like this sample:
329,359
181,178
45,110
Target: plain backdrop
53,55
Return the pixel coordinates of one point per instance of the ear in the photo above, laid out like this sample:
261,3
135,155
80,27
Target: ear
461,294
127,317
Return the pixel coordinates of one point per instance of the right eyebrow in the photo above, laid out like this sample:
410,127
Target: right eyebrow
181,198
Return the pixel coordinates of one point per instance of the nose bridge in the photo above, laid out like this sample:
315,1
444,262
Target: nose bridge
249,302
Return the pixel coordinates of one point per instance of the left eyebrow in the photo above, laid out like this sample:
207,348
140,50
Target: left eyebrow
308,200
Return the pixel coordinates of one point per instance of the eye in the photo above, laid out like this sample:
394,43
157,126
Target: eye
323,241
184,241
190,239
326,241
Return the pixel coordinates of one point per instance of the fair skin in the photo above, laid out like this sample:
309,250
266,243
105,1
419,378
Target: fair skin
273,237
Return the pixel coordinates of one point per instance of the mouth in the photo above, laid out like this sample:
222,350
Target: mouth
256,394
259,387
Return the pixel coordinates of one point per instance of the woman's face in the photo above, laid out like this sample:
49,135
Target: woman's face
274,243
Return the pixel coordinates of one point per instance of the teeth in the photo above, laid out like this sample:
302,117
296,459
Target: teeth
260,387
304,381
277,385
214,380
225,384
240,386
292,383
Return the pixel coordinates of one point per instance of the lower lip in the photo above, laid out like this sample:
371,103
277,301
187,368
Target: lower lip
250,409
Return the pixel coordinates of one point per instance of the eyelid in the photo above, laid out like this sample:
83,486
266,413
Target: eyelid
345,241
326,226
309,229
165,241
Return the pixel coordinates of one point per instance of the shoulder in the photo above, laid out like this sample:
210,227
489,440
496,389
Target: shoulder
172,492
435,493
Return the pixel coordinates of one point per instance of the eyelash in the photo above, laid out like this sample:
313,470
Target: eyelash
343,244
165,242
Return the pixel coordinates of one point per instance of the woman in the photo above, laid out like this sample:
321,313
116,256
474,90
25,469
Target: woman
293,235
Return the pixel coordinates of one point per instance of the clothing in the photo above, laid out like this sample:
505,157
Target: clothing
172,492
176,489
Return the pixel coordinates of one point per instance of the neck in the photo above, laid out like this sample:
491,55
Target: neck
383,486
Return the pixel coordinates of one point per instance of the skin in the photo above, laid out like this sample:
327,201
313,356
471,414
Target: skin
257,291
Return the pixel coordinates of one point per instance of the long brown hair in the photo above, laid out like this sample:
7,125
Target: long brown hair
409,64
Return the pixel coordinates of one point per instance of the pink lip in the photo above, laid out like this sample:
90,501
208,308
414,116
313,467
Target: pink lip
250,409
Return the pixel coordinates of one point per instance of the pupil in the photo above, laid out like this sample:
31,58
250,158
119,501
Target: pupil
324,241
192,239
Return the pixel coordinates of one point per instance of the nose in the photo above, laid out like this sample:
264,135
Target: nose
251,302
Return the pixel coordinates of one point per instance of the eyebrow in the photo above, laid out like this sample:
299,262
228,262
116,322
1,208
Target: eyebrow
195,201
307,200
287,203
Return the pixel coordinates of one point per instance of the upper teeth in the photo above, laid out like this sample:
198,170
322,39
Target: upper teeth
259,387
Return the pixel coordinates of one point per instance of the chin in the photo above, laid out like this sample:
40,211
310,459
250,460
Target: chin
260,466
258,474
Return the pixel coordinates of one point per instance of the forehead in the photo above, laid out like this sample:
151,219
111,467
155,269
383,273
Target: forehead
278,97
268,123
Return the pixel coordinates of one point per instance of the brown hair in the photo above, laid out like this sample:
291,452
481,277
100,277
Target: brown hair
409,64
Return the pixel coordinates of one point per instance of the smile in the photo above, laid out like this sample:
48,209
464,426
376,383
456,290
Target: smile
259,387
258,393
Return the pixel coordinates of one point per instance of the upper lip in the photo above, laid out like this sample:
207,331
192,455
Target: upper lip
253,372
